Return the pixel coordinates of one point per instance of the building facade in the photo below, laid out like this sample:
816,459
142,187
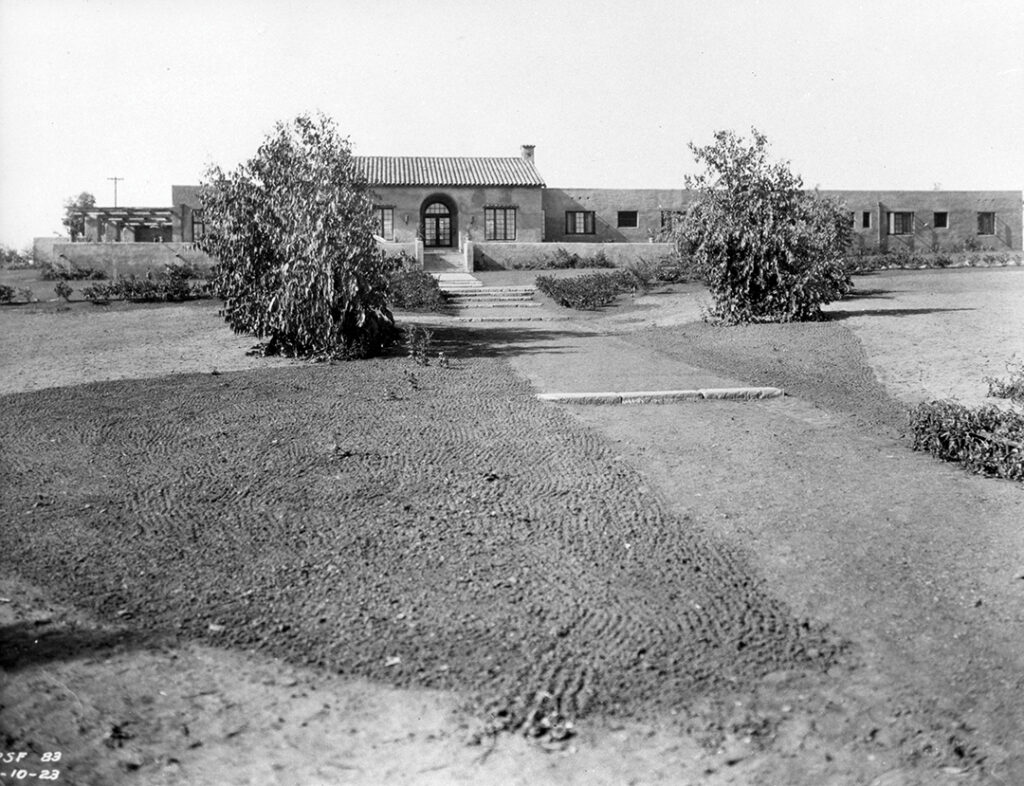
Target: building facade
445,203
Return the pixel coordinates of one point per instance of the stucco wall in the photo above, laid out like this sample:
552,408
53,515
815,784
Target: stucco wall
124,259
962,208
42,248
606,204
469,204
184,201
541,214
508,256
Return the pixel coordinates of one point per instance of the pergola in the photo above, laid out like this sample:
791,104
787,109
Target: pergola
153,217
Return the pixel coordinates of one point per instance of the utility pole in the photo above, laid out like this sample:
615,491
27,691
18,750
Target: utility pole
115,179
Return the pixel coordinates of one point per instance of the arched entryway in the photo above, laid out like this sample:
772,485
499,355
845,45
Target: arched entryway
438,222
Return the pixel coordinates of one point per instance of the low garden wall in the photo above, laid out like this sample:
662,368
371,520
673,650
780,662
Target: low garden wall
127,259
537,256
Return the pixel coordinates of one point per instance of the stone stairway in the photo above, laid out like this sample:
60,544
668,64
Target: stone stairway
464,291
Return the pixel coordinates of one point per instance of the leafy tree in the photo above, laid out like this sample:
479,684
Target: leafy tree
74,215
292,232
769,250
12,258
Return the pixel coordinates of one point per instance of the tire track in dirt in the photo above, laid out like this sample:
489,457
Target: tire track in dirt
454,533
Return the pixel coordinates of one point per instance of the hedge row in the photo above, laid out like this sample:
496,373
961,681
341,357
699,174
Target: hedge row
915,260
594,290
146,290
987,440
586,293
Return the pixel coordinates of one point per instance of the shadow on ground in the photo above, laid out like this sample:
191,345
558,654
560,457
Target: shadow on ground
501,340
25,644
887,312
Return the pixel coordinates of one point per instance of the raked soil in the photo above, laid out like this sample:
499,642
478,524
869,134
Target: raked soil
772,593
430,527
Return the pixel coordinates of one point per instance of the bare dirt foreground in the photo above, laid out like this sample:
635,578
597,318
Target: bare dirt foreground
245,549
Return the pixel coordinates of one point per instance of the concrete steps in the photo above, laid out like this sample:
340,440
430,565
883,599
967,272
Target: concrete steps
456,281
469,300
491,297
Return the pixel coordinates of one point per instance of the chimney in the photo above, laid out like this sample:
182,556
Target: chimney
527,153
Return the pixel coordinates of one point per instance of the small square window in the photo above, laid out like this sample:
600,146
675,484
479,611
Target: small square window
628,219
940,220
986,223
865,219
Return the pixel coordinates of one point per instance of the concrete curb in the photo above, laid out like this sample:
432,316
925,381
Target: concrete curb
523,318
663,396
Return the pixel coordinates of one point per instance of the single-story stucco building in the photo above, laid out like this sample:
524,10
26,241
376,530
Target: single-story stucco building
482,209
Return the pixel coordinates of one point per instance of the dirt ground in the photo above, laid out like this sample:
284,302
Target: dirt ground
851,531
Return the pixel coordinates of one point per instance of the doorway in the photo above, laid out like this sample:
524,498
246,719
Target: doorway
437,225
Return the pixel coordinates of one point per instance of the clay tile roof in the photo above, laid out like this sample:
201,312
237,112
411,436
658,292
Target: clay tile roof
448,171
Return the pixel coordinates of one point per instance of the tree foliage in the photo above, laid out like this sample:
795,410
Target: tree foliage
74,215
769,250
292,232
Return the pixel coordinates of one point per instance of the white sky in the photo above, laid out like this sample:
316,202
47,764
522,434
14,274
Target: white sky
855,94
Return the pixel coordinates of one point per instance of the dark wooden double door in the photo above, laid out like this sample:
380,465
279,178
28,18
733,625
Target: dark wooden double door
437,226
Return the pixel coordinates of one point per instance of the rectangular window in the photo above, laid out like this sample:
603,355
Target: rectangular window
499,223
901,223
198,225
386,222
579,222
865,219
940,220
986,223
628,219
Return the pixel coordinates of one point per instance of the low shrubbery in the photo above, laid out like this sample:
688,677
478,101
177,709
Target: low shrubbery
1012,387
412,289
594,290
54,272
987,440
415,290
11,295
177,283
563,260
586,293
915,260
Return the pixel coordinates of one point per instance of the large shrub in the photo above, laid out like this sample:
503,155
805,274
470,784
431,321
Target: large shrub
769,250
292,232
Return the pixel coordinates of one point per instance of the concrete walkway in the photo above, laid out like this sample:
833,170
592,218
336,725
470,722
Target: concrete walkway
587,363
562,355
